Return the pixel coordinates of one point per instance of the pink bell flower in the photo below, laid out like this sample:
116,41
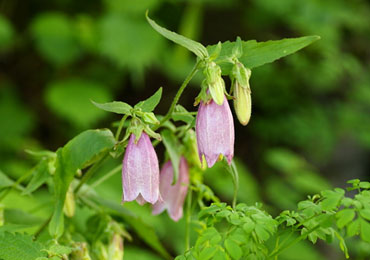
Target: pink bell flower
140,171
173,195
215,131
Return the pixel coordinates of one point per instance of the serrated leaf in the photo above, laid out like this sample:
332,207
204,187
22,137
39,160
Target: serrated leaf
261,233
193,46
172,147
149,104
40,175
117,107
76,154
233,248
19,247
256,54
344,217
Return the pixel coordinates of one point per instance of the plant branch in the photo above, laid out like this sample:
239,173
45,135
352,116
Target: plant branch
178,95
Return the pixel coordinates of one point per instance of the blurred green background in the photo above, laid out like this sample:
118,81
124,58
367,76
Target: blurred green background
310,126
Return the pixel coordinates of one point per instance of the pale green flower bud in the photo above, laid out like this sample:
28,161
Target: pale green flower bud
242,93
69,204
80,252
115,249
215,82
242,103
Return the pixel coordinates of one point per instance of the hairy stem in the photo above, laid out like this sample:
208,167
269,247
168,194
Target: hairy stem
120,127
178,95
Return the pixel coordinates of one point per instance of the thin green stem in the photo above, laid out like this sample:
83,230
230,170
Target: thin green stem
15,184
188,220
178,95
120,126
106,176
90,172
42,227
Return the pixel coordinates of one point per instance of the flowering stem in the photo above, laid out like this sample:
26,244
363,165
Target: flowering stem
90,172
178,95
120,127
107,176
188,220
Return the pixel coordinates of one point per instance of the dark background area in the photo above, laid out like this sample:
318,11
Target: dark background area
310,125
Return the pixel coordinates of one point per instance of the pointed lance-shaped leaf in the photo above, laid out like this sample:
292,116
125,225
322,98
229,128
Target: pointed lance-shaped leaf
193,46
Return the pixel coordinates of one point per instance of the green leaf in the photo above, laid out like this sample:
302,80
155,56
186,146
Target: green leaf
55,38
193,46
261,233
331,199
76,154
5,181
233,248
6,33
19,247
344,217
59,250
207,253
365,213
117,107
342,244
147,234
365,230
181,114
256,54
353,228
70,100
171,144
40,175
149,104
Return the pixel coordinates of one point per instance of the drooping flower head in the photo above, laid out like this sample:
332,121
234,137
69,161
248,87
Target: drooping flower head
140,171
173,195
215,131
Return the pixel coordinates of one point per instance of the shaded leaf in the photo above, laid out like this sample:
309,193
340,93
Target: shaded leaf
193,46
40,175
76,154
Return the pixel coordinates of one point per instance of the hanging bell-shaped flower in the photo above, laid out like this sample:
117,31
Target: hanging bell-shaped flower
173,195
215,131
140,171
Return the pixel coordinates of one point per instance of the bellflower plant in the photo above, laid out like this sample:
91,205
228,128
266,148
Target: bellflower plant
140,171
215,131
173,195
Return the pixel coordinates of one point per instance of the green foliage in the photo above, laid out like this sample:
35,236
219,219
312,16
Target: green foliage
19,247
77,154
172,146
197,48
255,54
55,38
70,99
6,33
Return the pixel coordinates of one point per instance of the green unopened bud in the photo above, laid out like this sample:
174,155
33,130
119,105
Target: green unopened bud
115,250
242,103
242,93
150,118
69,204
215,82
2,220
80,252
